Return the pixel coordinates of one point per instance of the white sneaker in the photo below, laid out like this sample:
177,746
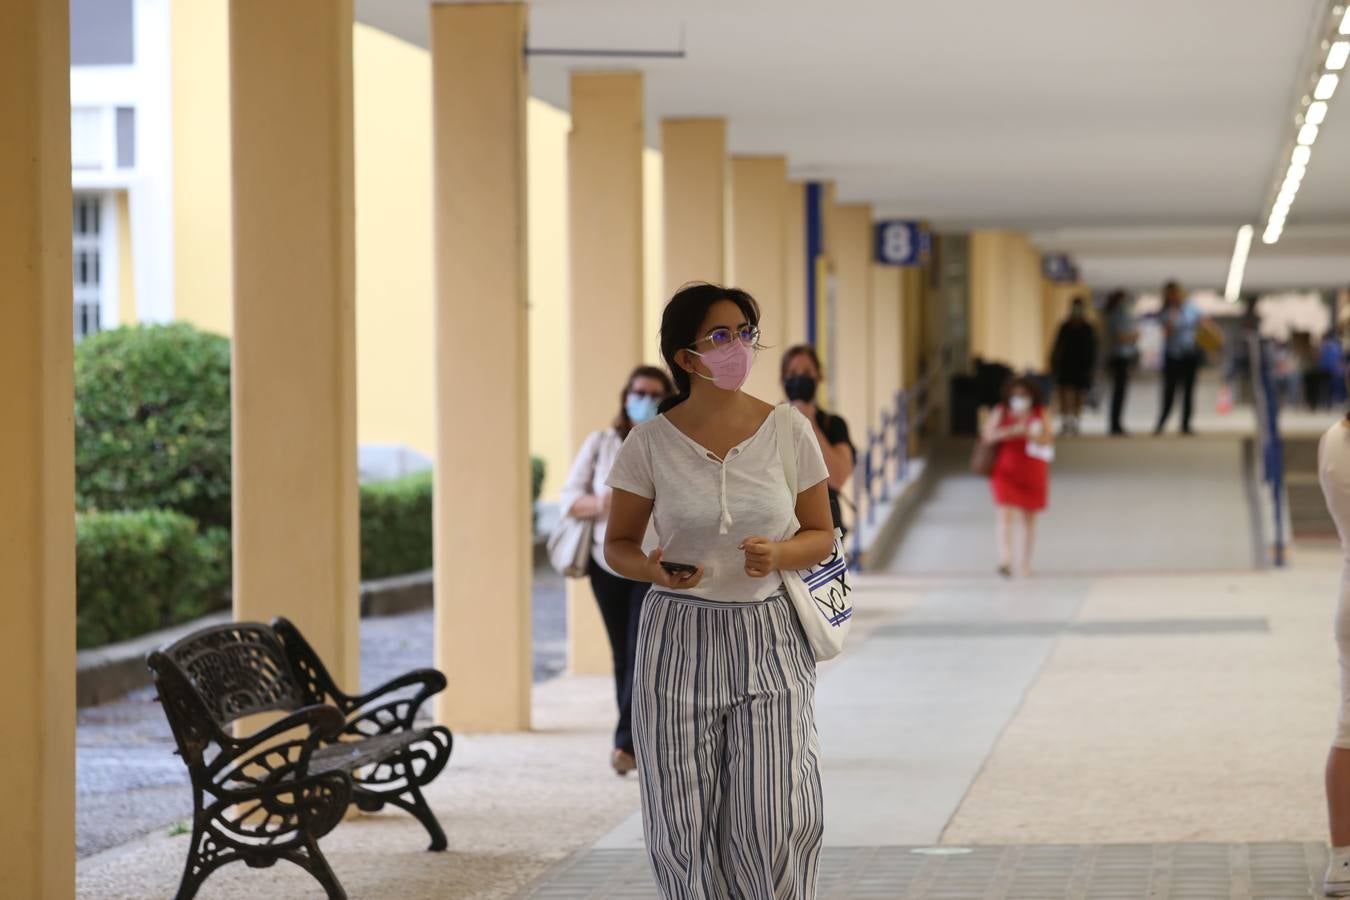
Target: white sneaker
1337,882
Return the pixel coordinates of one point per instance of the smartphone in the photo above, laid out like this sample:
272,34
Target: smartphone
675,568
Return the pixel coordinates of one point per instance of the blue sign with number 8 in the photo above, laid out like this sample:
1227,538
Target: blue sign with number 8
898,243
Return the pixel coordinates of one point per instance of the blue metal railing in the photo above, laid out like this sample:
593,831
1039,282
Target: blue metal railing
883,461
1265,399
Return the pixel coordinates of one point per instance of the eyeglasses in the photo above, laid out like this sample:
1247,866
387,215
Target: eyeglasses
724,337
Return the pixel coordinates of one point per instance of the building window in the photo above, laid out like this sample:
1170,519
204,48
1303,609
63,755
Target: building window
86,257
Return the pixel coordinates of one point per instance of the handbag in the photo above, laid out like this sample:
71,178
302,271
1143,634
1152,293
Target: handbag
819,594
982,457
570,541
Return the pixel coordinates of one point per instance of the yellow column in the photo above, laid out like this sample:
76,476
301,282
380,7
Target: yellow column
851,248
1006,299
758,262
296,546
885,328
794,257
694,181
605,315
37,528
484,551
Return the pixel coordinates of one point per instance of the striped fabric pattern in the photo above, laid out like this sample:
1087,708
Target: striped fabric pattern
728,758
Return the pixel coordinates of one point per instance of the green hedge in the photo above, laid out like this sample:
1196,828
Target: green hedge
142,570
152,422
396,523
396,526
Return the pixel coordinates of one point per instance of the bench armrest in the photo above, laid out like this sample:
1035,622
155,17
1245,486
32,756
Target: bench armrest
432,681
368,716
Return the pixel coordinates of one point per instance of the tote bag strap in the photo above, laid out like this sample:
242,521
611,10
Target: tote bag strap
787,450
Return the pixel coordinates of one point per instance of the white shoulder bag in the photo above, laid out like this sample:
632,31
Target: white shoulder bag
820,594
570,541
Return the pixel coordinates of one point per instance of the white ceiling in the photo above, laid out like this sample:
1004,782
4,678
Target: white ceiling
1060,116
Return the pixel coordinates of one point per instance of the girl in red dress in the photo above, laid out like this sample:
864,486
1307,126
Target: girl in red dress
1020,428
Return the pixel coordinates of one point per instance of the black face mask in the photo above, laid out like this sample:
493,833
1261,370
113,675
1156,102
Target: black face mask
800,387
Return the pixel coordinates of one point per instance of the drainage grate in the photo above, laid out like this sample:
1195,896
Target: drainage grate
1100,628
1032,872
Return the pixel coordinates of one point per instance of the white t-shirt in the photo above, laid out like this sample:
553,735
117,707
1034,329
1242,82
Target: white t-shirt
1333,471
704,507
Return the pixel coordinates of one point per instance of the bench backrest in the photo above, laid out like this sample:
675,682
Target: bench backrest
237,669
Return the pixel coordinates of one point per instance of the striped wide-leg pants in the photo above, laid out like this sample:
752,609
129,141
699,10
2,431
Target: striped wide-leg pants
728,759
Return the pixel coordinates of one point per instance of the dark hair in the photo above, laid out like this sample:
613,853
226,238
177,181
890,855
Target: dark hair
1114,299
623,424
681,321
1026,383
1169,287
795,351
1079,301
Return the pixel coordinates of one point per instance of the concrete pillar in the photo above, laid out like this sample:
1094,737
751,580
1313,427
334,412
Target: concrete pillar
694,182
484,551
885,329
296,541
758,258
37,465
605,313
1006,299
794,283
851,248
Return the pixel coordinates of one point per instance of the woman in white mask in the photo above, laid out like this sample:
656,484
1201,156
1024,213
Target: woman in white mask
723,700
1020,478
585,496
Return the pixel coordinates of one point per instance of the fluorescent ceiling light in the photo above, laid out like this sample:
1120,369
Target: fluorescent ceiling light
1337,55
1270,237
1238,266
1317,113
1296,171
1307,135
1345,23
1326,86
1301,155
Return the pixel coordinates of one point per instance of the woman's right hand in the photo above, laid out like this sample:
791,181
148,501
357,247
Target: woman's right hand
659,577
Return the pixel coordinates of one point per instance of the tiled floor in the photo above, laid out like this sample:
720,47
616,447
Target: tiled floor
1036,872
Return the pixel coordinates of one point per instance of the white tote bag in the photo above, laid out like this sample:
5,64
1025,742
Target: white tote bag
569,543
820,594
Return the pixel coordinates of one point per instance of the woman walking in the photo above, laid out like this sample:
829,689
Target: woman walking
1020,477
1122,337
802,376
723,707
1333,469
585,496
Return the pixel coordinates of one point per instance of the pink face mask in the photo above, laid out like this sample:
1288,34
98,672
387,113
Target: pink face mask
730,365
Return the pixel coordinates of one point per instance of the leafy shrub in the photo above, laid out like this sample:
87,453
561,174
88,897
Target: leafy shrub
396,526
152,422
142,570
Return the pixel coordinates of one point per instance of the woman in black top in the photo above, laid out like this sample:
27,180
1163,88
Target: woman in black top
801,375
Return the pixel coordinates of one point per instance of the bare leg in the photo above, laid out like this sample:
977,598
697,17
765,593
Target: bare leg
1003,525
1028,540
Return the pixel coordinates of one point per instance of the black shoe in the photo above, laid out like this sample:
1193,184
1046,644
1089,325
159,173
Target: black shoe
1119,432
1005,571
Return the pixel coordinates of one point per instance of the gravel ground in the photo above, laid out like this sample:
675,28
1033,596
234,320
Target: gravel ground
129,783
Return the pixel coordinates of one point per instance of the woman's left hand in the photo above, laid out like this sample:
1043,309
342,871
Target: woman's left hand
761,556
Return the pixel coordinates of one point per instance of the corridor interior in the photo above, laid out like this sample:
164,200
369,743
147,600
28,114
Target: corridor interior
1147,716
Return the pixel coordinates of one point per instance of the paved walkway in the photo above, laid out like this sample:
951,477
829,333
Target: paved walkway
1127,734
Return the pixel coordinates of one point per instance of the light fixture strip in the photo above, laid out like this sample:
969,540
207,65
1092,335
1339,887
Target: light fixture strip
1331,55
1238,267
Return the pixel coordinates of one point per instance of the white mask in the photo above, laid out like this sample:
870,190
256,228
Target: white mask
1020,403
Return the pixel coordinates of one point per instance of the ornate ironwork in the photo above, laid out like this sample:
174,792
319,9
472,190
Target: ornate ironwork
270,795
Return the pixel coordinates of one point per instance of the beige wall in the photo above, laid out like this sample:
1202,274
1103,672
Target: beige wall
654,293
1006,299
851,248
394,368
694,152
203,279
886,338
794,256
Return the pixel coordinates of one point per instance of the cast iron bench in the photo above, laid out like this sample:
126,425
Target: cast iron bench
270,796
